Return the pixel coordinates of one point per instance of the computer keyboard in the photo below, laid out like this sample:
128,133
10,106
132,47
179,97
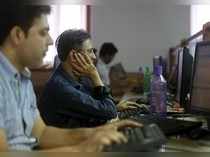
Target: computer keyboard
146,138
133,112
169,126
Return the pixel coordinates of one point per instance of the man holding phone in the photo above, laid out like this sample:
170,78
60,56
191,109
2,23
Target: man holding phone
75,95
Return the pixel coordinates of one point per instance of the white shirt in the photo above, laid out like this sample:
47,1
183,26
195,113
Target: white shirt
103,70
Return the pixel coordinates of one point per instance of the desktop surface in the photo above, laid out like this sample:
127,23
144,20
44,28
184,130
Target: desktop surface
174,123
184,144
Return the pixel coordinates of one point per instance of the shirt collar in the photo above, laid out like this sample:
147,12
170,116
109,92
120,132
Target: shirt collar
10,70
70,79
101,61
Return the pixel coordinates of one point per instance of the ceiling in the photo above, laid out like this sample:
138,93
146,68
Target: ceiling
125,2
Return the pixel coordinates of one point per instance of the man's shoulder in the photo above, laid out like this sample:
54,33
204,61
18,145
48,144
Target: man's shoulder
59,79
56,77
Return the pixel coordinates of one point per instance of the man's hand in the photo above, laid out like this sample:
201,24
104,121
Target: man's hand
119,125
80,140
82,65
206,31
107,134
100,139
124,104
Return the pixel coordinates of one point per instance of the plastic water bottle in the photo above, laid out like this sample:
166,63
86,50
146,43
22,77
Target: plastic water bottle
158,92
147,80
156,62
141,79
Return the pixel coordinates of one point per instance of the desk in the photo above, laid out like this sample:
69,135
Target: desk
186,145
121,86
181,143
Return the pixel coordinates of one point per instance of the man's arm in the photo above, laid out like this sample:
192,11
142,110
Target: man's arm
84,139
51,137
3,137
87,105
3,141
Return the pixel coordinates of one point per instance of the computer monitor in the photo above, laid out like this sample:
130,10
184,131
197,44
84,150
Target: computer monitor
179,74
200,91
184,76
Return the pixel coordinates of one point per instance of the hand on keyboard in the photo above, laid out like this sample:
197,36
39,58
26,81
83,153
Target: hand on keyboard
125,104
108,134
120,124
143,109
147,138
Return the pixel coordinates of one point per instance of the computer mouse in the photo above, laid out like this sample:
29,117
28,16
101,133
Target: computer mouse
197,133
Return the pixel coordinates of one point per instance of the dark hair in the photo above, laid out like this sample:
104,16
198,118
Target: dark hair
107,48
13,13
68,40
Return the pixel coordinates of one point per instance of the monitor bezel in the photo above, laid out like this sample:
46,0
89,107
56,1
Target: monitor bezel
195,109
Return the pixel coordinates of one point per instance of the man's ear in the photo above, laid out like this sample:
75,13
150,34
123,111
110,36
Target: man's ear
17,35
70,56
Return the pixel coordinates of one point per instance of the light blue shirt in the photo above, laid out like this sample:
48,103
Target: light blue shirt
18,110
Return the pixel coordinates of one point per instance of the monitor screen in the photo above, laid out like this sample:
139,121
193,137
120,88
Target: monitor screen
200,91
179,74
184,76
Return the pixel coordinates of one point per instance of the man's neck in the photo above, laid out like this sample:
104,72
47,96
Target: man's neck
10,54
102,60
68,69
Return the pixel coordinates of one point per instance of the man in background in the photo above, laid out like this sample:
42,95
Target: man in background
106,55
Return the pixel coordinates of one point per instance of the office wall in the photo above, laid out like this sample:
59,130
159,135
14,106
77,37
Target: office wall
140,32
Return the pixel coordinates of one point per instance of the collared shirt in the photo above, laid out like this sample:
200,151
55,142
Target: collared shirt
18,109
103,71
69,103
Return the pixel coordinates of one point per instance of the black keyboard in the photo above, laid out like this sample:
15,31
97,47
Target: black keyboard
132,112
147,138
169,126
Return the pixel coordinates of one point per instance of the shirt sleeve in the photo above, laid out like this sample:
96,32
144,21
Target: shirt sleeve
34,109
72,99
1,109
31,112
101,92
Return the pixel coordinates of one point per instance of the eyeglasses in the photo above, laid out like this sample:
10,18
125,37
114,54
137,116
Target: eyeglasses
91,50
